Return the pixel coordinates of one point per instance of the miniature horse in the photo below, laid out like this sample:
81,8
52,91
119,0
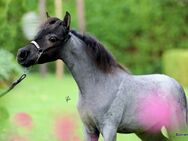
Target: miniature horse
111,100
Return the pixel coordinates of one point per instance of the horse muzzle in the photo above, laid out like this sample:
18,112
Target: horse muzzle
26,57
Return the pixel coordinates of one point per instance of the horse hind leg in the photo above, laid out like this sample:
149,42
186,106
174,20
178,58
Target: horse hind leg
177,133
179,125
145,136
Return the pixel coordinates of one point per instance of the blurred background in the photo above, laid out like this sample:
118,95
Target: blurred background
146,36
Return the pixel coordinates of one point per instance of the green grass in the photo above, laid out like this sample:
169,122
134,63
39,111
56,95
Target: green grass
45,100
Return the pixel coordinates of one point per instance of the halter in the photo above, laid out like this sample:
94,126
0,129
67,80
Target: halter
36,44
23,76
41,51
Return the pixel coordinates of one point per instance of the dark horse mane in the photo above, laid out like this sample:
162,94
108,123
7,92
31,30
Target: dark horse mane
102,58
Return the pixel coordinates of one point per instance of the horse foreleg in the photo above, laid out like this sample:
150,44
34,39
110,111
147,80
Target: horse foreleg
91,136
109,133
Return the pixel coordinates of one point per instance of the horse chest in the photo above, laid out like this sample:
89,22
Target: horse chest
85,111
89,115
93,108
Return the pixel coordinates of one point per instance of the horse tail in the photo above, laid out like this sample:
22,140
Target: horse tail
187,115
185,105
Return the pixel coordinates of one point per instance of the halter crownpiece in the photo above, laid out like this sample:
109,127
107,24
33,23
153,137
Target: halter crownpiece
35,44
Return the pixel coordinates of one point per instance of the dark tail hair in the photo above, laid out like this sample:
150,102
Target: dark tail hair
187,115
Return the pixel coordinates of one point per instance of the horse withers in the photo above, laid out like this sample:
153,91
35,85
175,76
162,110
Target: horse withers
111,100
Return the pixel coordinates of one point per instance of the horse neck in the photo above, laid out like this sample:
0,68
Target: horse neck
83,69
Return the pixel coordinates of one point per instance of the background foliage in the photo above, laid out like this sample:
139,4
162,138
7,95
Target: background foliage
9,68
136,32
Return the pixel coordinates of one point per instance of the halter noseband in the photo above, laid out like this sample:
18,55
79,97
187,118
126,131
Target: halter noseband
35,44
39,50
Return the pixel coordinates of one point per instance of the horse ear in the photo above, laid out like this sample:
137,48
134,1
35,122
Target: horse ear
67,20
47,15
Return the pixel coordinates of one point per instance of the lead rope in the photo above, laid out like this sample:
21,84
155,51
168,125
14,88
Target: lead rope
16,82
23,76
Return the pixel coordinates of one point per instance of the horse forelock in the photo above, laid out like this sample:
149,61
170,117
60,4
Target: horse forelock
48,22
49,25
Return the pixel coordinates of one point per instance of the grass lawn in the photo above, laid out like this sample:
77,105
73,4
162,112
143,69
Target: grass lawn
38,111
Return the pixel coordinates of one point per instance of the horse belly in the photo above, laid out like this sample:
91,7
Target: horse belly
126,130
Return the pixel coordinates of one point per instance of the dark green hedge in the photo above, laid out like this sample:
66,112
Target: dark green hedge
138,32
175,64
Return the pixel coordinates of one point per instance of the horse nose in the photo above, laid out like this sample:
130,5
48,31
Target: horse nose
22,54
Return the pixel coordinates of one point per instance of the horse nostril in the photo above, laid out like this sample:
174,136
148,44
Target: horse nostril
23,54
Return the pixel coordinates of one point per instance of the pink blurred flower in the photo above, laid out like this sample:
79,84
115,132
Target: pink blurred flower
23,119
76,138
17,138
156,111
65,129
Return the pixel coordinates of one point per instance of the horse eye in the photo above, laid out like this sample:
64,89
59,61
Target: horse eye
53,39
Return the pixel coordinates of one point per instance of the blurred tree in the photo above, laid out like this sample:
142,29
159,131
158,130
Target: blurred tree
80,15
59,63
10,21
42,12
